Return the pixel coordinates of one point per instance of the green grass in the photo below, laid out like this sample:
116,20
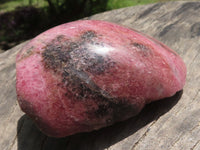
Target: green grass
10,5
21,24
114,4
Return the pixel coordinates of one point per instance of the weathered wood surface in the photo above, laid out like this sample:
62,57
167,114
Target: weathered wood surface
172,123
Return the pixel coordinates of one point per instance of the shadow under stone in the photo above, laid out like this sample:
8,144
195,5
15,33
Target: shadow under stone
30,138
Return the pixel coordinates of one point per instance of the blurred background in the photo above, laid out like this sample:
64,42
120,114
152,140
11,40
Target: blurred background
21,20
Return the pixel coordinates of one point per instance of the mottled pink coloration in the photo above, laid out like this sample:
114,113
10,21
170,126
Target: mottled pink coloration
85,75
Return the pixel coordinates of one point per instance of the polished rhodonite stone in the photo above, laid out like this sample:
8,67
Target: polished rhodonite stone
85,75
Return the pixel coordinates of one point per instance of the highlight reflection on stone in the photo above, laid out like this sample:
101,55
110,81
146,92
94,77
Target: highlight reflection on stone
85,75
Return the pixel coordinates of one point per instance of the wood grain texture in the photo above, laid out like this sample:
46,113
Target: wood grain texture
171,123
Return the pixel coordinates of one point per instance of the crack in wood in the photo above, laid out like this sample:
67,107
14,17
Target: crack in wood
11,115
176,142
180,136
193,147
18,132
43,142
13,142
142,137
67,142
194,127
196,95
194,59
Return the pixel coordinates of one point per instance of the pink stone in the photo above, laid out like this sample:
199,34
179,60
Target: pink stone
85,75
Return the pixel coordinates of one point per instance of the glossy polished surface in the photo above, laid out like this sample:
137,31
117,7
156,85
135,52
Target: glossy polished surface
85,75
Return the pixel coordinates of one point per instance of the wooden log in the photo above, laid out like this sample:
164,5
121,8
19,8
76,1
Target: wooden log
171,123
